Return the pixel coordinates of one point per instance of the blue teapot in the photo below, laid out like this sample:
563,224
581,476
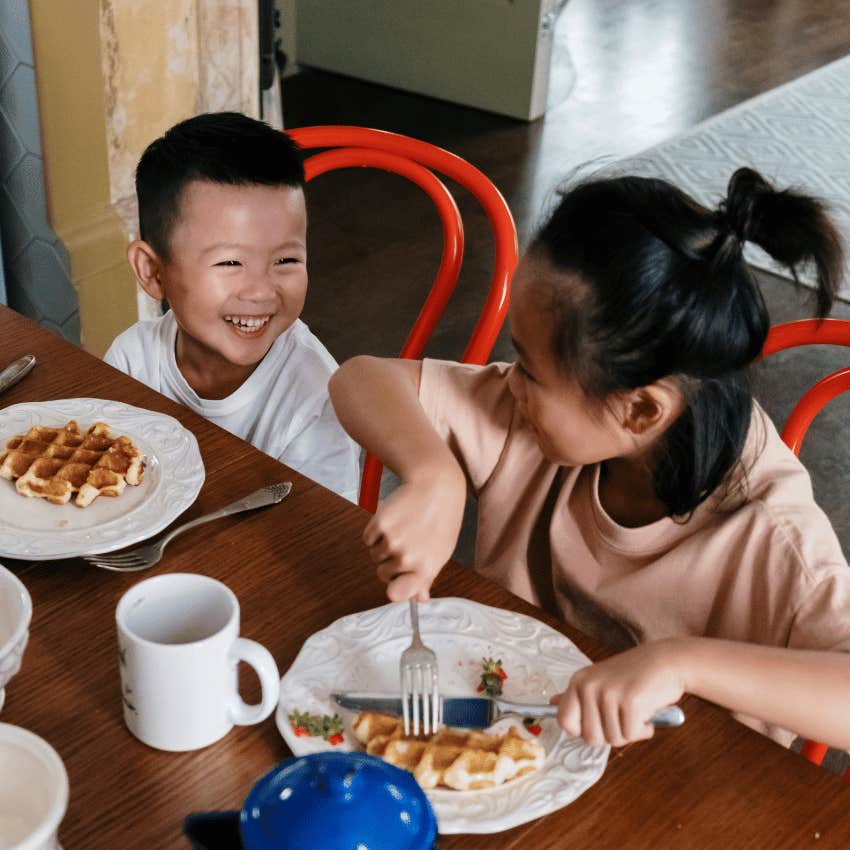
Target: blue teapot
337,801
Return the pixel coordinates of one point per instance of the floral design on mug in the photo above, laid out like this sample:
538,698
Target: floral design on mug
127,702
317,725
125,688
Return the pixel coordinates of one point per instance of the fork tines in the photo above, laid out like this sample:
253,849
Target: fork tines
419,681
420,698
119,563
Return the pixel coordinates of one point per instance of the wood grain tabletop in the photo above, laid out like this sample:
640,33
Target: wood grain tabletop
296,568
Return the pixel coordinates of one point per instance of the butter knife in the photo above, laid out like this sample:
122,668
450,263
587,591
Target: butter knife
15,371
480,712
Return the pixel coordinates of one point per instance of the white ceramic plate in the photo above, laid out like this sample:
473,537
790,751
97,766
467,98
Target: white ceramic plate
34,529
361,652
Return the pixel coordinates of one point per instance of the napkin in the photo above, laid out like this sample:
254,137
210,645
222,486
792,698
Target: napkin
213,831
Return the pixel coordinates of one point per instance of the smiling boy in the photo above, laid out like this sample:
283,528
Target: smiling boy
223,228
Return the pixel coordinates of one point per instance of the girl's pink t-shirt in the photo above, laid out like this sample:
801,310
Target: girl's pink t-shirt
767,570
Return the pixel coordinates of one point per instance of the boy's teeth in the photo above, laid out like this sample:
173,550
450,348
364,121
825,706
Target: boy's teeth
247,323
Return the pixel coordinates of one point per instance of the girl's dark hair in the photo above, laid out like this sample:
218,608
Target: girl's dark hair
219,147
653,284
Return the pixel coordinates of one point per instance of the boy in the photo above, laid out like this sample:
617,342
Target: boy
223,228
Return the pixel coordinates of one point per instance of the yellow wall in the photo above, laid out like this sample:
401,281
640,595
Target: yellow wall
66,45
111,76
150,76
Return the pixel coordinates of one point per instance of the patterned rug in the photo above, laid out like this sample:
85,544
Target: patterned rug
797,135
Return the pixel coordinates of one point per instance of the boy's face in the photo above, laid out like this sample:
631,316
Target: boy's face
236,277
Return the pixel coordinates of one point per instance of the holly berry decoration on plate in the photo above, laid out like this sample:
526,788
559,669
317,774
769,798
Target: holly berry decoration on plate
532,724
317,726
492,677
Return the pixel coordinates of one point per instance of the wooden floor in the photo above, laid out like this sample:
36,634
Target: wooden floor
626,75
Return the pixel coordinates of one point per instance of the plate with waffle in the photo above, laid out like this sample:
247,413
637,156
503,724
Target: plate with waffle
86,475
477,781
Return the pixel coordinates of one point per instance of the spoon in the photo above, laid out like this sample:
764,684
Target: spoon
15,371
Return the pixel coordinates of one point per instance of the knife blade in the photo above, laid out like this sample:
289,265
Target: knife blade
479,712
15,371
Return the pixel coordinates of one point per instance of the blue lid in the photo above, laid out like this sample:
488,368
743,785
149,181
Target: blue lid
337,801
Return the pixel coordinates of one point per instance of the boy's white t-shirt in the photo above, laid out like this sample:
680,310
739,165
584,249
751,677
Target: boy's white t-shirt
283,408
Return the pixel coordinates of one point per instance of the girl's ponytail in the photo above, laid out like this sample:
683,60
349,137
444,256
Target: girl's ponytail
652,284
793,228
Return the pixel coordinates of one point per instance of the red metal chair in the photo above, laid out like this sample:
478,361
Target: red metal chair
417,161
790,335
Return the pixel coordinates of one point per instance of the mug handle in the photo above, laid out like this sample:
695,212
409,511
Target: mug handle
258,657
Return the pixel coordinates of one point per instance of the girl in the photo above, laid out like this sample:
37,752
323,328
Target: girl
626,479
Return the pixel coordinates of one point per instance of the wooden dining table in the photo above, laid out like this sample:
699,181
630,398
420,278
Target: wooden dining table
295,569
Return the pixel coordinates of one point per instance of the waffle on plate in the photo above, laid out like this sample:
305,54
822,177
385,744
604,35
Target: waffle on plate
56,463
464,760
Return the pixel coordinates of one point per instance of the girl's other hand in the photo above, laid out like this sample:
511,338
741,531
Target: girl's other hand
611,702
414,532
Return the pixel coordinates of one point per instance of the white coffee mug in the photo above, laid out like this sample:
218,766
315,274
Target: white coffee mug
178,648
15,616
33,791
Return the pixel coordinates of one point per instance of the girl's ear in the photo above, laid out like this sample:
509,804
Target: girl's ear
649,411
146,266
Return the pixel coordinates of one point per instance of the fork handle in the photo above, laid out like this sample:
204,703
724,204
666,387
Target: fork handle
270,495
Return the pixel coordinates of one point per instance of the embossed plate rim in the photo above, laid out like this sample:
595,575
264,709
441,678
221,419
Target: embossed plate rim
571,766
181,476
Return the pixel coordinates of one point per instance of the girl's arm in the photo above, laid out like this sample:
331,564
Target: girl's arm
804,691
414,531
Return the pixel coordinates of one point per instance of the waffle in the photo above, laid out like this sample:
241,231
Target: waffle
55,463
460,759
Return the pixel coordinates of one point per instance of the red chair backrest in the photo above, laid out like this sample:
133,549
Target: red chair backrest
790,335
417,161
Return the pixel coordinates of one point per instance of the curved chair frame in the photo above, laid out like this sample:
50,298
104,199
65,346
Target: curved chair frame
417,161
791,335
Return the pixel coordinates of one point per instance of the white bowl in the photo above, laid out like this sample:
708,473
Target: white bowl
15,616
33,790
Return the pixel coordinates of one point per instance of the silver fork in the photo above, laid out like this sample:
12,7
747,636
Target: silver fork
146,556
420,688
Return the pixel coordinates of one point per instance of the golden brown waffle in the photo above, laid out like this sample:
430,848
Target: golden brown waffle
55,463
459,759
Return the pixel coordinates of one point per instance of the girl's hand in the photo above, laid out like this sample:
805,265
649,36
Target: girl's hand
611,702
414,532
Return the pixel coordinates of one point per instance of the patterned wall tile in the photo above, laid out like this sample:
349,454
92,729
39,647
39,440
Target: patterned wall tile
15,20
16,235
71,326
52,326
11,149
8,60
25,186
38,271
17,98
37,278
18,300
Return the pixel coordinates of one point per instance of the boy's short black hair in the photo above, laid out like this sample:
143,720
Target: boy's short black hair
220,147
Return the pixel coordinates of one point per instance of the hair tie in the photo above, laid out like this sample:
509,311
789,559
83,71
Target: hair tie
728,245
730,225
